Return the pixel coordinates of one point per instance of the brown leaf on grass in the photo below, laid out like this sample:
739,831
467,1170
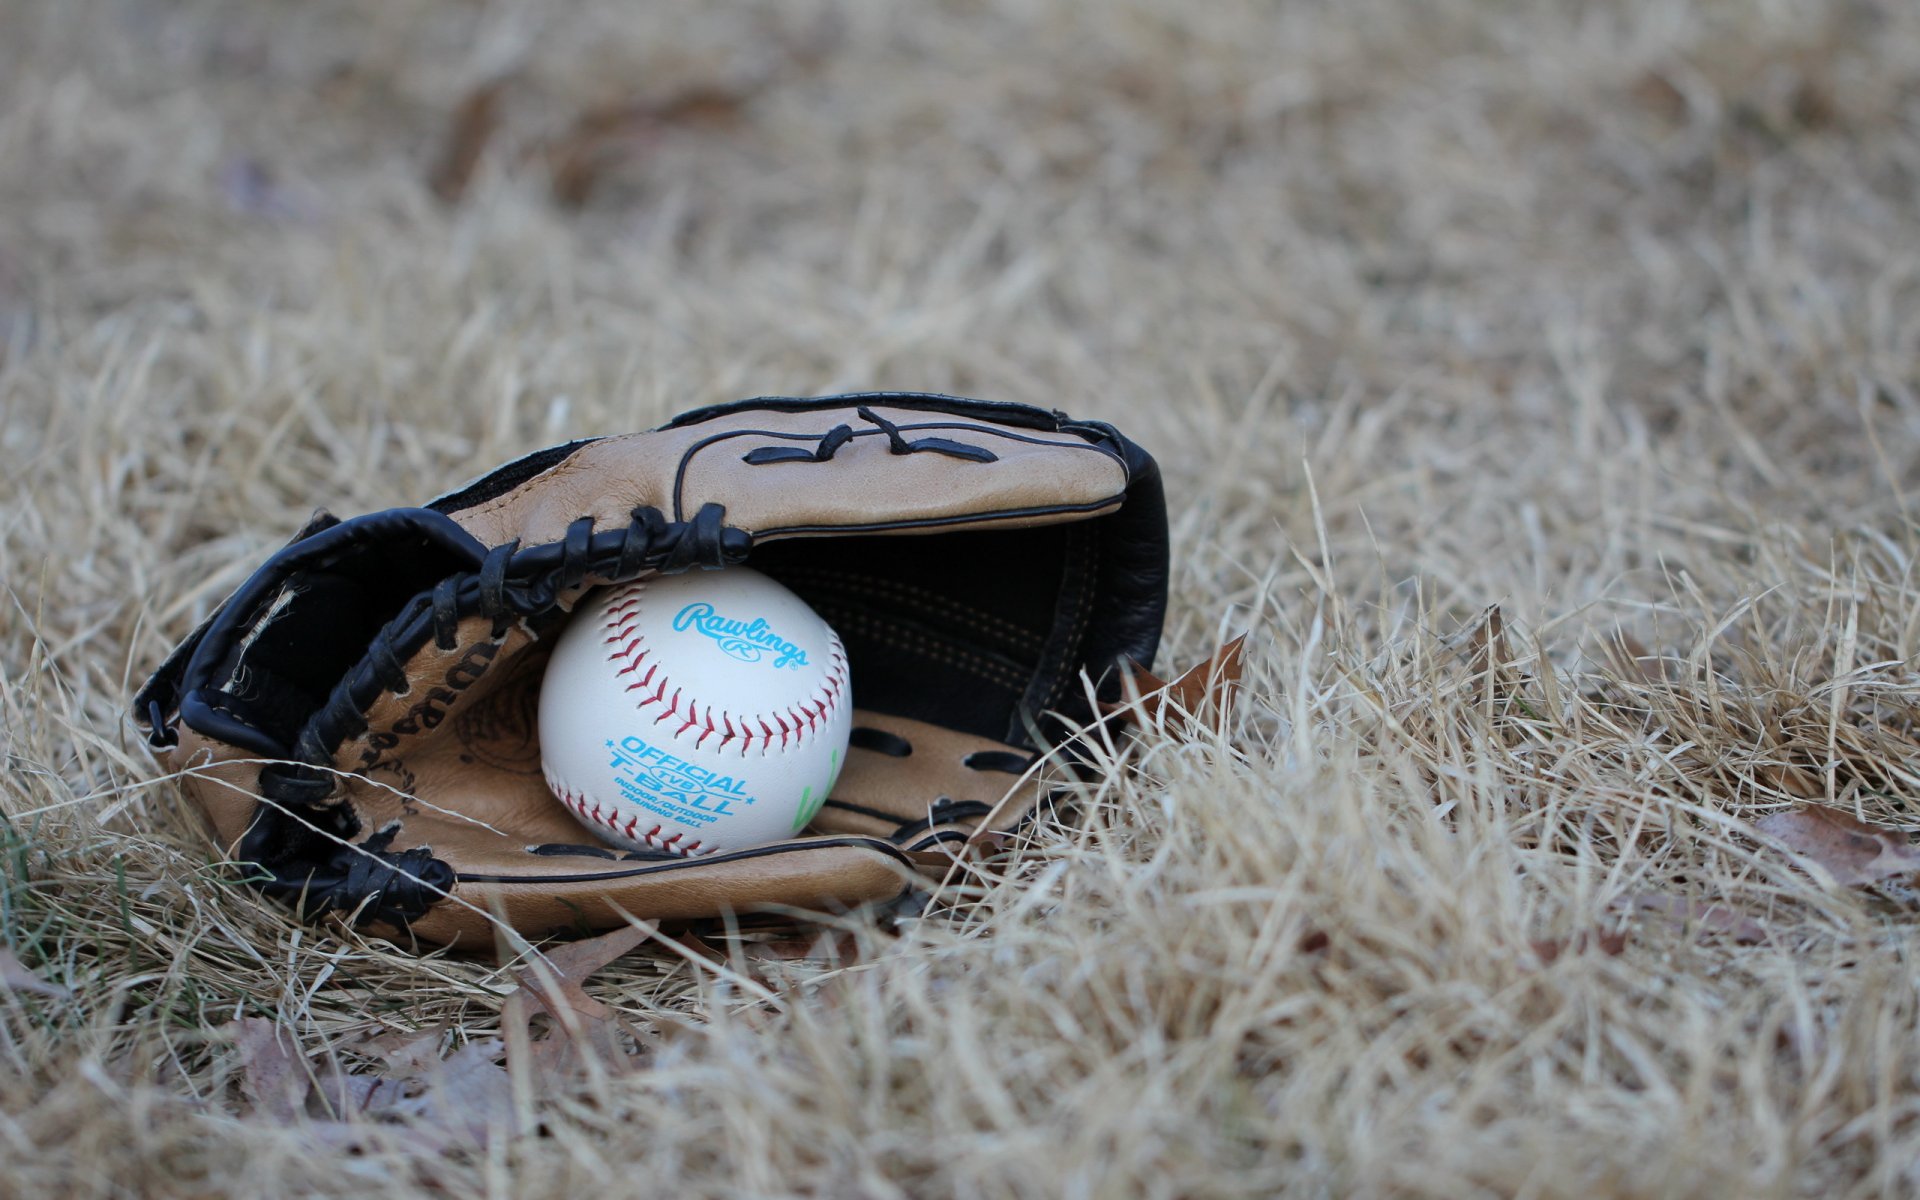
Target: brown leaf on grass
584,1028
407,1053
1683,914
460,1100
1484,645
623,129
16,976
1631,658
1205,690
467,1095
1609,944
366,1094
272,1075
1789,779
555,982
472,127
1849,849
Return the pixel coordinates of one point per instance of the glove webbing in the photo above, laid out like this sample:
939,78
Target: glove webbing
510,583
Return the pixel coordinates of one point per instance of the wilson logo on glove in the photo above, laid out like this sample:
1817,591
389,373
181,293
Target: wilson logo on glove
748,641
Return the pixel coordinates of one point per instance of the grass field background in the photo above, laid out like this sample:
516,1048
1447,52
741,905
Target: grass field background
1607,316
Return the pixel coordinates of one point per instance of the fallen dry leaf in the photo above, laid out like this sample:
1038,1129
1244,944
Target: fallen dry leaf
607,133
1609,944
1484,645
16,976
1699,915
584,1028
409,1052
467,1095
1205,690
554,981
1847,848
272,1075
461,1101
365,1094
473,126
1630,657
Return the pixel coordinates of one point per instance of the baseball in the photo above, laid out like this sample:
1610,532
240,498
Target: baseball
695,713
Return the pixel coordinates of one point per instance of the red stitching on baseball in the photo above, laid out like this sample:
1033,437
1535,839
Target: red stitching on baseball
592,815
634,665
796,722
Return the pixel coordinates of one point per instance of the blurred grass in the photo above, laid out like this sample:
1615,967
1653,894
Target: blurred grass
1608,317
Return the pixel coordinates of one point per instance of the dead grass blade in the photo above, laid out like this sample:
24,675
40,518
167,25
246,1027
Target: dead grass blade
16,976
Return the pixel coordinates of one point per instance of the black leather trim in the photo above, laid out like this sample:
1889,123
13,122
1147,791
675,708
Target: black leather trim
1130,580
1002,411
157,702
572,850
501,480
860,809
197,696
944,836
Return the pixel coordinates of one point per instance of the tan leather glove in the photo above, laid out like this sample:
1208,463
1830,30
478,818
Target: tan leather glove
358,719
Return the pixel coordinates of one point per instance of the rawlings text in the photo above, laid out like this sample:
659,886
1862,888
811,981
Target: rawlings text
748,641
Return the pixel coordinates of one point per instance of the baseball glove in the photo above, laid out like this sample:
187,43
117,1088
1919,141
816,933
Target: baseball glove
358,722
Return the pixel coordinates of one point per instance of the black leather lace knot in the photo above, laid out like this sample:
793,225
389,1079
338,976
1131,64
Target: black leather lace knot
575,549
446,614
645,528
388,667
401,886
295,783
897,443
393,887
493,585
705,541
823,450
160,734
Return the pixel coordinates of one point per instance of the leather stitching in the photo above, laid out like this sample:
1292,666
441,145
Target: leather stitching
1082,612
959,614
900,639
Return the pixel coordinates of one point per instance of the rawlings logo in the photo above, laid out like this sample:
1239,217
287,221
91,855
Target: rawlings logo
748,641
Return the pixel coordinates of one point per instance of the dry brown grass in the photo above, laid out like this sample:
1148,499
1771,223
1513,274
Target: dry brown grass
1606,315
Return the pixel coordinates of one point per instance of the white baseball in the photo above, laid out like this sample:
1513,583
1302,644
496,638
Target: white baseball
695,713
